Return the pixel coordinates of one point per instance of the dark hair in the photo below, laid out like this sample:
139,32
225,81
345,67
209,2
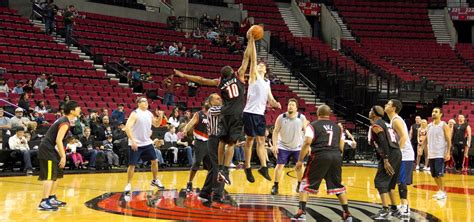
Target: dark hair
70,106
70,138
378,111
293,100
226,72
440,111
66,96
22,97
397,104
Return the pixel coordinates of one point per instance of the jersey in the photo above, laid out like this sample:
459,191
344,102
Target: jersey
141,130
47,148
257,96
200,129
326,136
232,93
408,154
460,134
213,116
390,135
291,132
437,144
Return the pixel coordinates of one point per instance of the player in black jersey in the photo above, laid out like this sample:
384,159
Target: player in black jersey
52,157
325,139
199,125
385,140
232,90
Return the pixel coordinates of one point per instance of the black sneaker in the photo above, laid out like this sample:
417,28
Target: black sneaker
189,187
274,190
249,175
298,187
383,214
57,203
223,176
396,213
299,216
45,205
264,172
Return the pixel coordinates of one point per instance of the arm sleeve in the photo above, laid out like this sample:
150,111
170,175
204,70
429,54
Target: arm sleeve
382,146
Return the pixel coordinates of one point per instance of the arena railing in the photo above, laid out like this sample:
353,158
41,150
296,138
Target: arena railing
459,91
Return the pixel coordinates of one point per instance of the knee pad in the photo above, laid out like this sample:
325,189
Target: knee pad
382,190
403,191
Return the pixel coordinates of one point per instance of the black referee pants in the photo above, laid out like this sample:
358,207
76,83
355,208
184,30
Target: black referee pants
210,163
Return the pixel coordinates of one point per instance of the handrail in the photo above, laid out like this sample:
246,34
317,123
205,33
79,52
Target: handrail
36,10
167,6
11,104
118,72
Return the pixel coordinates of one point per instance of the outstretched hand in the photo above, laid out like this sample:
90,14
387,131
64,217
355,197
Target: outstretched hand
178,73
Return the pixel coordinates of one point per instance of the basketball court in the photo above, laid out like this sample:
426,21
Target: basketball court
99,197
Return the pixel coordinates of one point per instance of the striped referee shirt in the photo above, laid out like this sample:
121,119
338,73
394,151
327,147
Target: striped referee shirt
213,120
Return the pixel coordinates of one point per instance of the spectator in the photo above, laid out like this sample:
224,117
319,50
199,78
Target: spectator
192,88
38,118
4,86
169,93
197,33
108,147
52,83
88,150
160,48
212,35
186,118
19,143
104,129
239,156
147,77
28,87
18,120
157,143
182,52
149,48
5,126
94,121
235,48
41,83
205,20
125,64
24,102
137,84
68,23
65,100
104,112
41,108
244,27
72,148
194,52
173,50
49,12
18,87
174,117
118,115
217,22
185,142
76,128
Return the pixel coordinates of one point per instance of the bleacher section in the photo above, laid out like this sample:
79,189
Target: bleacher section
397,37
466,52
452,109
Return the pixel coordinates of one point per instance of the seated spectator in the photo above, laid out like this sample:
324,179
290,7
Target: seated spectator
125,64
18,87
88,150
19,143
41,107
65,100
28,87
157,143
5,126
108,148
185,142
76,127
192,88
206,21
171,138
186,117
173,50
147,77
149,48
217,22
24,102
194,52
174,117
118,115
4,86
212,35
20,121
38,118
41,83
235,48
160,48
103,130
104,112
181,49
197,33
52,83
71,148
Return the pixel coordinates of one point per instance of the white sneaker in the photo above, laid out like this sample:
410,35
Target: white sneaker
404,210
128,188
427,169
417,168
442,196
157,183
232,165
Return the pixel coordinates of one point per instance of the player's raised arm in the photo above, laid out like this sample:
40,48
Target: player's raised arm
247,56
197,79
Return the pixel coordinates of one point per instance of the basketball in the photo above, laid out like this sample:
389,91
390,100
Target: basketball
257,32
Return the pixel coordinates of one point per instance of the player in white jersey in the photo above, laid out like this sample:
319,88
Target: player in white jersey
288,138
259,93
138,129
438,140
393,108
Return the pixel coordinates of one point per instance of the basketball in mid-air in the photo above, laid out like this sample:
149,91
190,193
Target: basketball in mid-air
257,32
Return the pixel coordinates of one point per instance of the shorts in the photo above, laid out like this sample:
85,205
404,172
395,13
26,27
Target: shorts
146,153
406,173
254,124
50,170
323,165
384,182
230,128
200,151
285,155
437,167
